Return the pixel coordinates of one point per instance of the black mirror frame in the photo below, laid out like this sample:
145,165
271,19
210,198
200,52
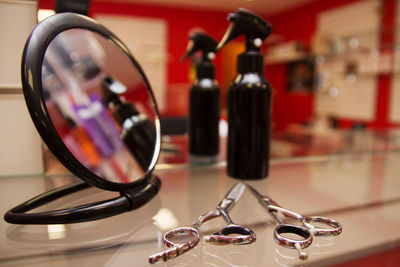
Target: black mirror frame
31,73
133,194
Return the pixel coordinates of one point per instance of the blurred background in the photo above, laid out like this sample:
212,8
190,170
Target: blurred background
334,67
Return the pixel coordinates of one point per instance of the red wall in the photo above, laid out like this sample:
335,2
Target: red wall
300,24
384,80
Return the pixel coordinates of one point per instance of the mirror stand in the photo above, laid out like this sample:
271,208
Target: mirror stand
127,201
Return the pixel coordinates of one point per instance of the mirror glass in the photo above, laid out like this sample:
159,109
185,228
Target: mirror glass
100,105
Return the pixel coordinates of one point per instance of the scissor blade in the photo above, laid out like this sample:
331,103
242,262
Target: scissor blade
256,193
264,200
236,192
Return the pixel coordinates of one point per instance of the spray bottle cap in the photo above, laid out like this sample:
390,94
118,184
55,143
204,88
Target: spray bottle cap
207,45
256,29
111,89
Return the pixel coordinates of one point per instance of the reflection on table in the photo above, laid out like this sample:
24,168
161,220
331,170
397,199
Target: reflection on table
298,142
360,190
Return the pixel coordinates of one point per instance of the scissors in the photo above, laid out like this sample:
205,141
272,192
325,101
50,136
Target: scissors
230,234
307,230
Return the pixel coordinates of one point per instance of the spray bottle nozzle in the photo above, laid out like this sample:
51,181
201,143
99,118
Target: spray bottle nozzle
109,95
203,42
206,44
111,89
245,22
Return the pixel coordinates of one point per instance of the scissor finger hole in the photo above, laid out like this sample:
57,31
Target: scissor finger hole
180,236
232,234
290,235
233,230
324,226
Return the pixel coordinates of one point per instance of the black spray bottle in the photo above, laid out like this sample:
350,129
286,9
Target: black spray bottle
138,131
204,102
248,100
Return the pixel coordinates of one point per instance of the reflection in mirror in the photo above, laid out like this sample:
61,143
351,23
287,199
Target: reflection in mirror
99,105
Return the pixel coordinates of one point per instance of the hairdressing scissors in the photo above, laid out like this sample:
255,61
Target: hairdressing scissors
307,230
230,234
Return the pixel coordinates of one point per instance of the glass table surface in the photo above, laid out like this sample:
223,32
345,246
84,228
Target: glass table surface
361,191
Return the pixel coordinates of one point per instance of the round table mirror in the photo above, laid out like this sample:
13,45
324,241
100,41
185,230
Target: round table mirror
94,109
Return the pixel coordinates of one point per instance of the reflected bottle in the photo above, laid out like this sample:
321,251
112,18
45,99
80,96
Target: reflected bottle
138,131
106,123
88,116
83,143
75,137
